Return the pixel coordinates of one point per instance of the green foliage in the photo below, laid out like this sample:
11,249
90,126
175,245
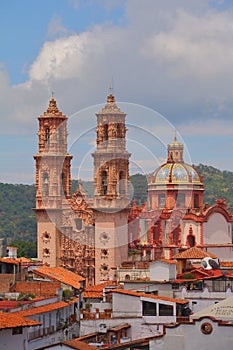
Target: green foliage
17,220
139,185
25,249
188,276
217,183
67,294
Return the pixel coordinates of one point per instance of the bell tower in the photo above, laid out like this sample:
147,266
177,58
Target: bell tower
111,197
53,182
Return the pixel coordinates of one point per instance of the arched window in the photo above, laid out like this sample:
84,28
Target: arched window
105,131
119,135
45,184
104,182
121,183
47,135
63,185
191,240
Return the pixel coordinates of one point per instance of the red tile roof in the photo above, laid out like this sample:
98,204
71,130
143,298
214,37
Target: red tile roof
60,274
9,261
41,309
226,263
79,345
23,260
11,320
96,292
169,261
150,296
193,253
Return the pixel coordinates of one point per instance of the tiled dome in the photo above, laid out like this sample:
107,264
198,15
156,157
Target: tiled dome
175,170
180,173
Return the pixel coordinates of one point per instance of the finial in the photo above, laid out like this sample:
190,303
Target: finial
52,109
111,97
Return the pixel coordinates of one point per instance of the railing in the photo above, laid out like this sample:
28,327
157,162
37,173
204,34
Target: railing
39,333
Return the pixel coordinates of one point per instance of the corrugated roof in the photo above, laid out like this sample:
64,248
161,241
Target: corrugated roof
11,320
60,274
150,296
194,253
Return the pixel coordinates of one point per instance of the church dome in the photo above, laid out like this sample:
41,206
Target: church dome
175,170
177,173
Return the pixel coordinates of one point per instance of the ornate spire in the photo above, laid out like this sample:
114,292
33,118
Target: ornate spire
175,151
52,109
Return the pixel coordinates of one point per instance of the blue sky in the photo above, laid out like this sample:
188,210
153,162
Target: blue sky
171,56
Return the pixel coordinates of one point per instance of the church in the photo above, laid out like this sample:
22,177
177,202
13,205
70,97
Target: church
92,237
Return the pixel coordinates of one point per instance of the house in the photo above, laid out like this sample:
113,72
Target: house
210,328
56,321
69,280
189,257
163,270
144,312
15,330
10,271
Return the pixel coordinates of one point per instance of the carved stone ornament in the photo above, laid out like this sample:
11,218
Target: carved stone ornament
104,237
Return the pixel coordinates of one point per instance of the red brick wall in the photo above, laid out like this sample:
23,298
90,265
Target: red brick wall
4,284
36,288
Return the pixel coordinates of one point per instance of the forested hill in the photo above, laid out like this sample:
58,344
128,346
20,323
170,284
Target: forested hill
18,222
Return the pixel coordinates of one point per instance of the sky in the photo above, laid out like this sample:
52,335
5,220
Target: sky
169,63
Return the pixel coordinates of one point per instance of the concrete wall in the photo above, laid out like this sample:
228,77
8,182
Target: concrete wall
190,336
139,328
126,305
162,271
216,230
9,341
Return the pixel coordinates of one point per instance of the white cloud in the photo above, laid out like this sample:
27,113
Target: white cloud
176,61
56,28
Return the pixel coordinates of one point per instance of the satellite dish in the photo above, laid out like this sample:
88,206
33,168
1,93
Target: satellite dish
209,263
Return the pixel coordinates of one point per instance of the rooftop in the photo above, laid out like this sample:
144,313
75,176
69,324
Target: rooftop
12,320
41,309
150,296
60,274
194,253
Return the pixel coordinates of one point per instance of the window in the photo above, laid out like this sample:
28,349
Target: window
79,224
104,182
180,200
191,240
148,309
121,183
45,184
162,200
196,200
17,330
105,131
47,135
63,185
165,310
